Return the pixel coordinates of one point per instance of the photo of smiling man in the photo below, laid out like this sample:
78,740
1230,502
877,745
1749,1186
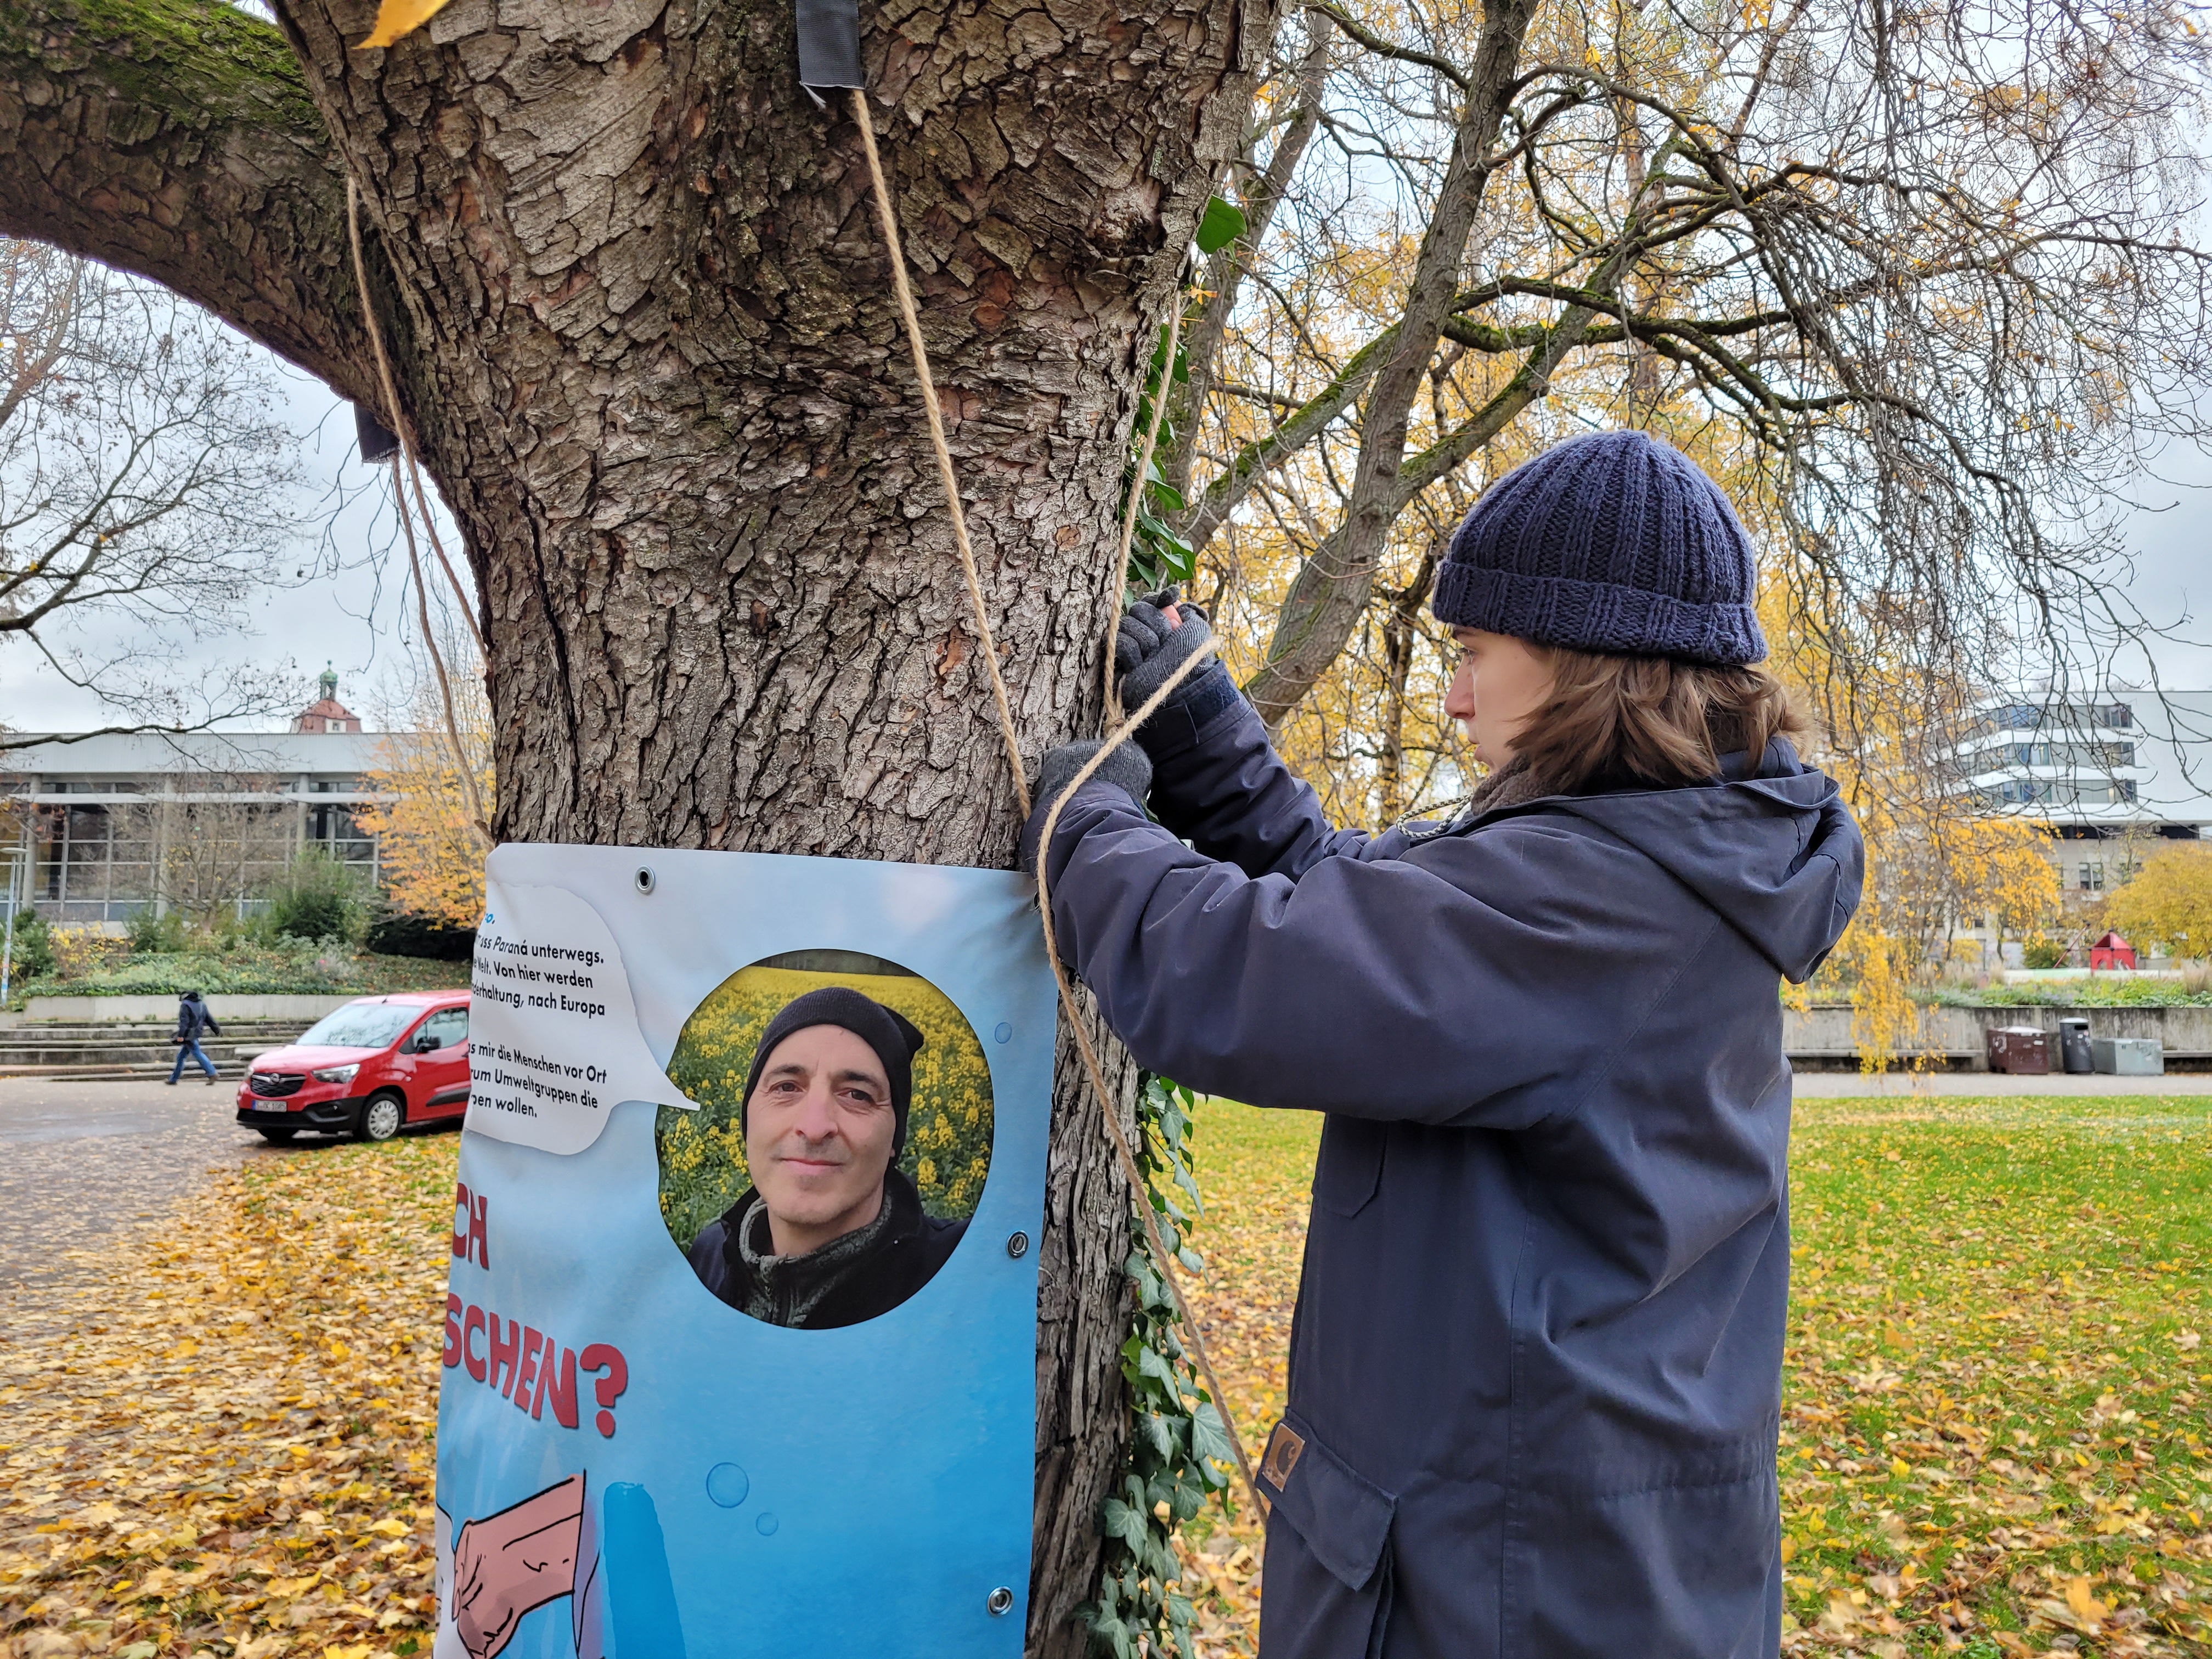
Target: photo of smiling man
832,1232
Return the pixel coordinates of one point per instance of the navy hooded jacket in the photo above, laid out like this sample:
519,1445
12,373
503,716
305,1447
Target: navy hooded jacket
1535,1370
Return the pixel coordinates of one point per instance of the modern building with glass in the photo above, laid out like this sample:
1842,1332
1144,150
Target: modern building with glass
2111,776
104,827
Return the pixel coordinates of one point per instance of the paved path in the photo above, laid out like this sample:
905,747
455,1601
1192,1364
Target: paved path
81,1160
1828,1086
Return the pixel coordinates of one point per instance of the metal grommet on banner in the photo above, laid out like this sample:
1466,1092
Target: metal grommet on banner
1001,1602
1018,1246
644,879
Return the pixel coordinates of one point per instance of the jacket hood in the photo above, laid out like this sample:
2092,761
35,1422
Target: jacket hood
1774,851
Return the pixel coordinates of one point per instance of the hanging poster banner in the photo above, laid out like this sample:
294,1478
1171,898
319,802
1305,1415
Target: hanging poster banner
741,1334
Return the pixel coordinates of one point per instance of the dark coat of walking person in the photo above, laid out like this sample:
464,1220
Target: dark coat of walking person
1535,1366
193,1020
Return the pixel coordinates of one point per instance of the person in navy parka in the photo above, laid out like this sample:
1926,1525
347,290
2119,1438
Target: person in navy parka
1535,1370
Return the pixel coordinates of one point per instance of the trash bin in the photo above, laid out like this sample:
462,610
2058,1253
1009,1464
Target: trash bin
2074,1046
2127,1056
2022,1049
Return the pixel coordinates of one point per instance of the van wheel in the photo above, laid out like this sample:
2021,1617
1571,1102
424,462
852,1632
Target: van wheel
381,1116
278,1137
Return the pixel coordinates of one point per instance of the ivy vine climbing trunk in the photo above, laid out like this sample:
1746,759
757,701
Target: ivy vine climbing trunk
643,329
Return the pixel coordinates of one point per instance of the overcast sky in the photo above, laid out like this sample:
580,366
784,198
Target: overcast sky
360,619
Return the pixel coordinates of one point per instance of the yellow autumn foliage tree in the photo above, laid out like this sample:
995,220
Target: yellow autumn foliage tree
2168,904
431,855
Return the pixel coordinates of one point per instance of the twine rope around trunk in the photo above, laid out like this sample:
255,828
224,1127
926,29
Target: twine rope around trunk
398,427
1114,740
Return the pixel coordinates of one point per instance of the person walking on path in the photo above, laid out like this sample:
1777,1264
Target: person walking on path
1535,1366
192,1018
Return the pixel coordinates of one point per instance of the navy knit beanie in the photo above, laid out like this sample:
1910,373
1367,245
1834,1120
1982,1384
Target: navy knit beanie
1614,542
895,1039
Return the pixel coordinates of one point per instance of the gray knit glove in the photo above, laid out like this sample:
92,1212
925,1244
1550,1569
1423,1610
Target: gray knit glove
1127,766
1148,647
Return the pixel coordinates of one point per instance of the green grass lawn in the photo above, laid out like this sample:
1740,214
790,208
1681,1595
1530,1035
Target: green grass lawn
1998,1385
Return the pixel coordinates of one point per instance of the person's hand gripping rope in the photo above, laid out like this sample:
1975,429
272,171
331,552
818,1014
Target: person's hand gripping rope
1157,636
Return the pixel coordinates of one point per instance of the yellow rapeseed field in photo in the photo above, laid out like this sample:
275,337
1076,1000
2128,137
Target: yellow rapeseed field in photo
702,1155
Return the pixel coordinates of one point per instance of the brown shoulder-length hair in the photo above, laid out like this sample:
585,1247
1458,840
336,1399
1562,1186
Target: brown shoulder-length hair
1617,722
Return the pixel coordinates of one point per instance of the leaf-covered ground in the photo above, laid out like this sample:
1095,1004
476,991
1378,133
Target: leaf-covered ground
1999,1387
217,1439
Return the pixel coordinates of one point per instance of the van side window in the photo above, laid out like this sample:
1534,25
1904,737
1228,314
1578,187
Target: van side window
448,1026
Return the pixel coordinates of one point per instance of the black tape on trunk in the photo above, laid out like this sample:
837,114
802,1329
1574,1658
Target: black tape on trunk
830,43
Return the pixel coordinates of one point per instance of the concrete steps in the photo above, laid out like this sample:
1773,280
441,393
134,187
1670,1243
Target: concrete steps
132,1048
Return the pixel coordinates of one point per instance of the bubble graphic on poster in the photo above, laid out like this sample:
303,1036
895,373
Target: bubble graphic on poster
743,1131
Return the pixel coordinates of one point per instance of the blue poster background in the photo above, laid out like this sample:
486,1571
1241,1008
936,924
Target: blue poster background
770,1491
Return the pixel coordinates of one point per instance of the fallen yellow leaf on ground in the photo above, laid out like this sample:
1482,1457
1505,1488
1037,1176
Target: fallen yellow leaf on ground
186,1466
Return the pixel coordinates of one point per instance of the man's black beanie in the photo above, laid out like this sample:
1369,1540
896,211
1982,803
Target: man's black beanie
893,1036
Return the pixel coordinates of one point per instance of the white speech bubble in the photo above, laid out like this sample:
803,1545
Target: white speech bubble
553,1037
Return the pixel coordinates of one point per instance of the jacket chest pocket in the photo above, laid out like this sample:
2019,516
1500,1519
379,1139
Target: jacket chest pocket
1350,1164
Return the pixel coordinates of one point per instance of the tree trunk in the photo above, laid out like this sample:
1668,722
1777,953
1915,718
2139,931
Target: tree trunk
641,314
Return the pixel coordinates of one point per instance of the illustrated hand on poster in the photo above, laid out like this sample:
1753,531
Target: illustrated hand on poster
554,1040
509,1563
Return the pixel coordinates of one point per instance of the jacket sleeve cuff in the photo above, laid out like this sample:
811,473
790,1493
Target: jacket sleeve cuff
1175,727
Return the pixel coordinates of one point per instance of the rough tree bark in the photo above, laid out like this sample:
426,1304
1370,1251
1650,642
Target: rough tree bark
643,327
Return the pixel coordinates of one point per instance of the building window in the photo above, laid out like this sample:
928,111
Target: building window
2092,875
332,829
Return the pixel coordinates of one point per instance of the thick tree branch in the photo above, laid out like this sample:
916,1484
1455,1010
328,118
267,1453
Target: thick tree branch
1224,273
1256,459
175,138
1572,332
1327,597
1383,47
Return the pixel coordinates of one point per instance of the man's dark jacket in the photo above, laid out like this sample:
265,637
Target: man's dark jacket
192,1018
1535,1370
914,1246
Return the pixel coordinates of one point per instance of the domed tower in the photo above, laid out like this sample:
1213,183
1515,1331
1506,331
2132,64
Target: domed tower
326,713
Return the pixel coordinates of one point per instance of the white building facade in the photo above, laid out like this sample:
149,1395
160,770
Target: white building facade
2111,777
108,826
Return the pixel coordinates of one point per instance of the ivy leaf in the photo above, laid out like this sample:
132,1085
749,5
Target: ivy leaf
1182,1179
1222,224
1186,1495
1173,1122
1159,1559
1156,1433
1209,1435
1119,1520
1150,1362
